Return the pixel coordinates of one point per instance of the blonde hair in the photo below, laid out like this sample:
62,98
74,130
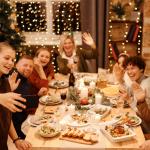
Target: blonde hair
63,38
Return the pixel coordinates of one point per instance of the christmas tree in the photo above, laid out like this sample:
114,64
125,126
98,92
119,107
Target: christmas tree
8,28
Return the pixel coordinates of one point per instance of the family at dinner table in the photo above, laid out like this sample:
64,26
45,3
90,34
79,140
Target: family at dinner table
24,81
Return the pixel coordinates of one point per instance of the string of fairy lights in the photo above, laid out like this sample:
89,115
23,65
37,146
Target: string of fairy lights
127,23
32,17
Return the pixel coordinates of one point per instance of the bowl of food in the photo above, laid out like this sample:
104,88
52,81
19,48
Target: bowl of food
48,130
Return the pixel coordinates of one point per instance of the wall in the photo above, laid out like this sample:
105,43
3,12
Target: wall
146,35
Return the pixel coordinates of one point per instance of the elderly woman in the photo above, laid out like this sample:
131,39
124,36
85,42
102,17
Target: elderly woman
138,93
71,58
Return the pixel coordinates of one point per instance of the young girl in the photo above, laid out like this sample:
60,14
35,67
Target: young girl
43,69
8,100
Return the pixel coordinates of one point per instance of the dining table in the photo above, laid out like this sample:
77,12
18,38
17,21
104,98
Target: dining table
55,143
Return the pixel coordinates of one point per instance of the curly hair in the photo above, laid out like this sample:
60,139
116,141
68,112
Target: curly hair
136,61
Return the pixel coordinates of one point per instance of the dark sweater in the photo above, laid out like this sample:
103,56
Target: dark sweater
5,116
29,92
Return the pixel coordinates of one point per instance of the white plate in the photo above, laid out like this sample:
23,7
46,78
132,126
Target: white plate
35,120
50,100
104,108
121,138
58,84
138,120
48,127
71,122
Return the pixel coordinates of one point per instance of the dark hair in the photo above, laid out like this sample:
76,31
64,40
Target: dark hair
136,61
25,57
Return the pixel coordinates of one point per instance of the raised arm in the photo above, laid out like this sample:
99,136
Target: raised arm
87,38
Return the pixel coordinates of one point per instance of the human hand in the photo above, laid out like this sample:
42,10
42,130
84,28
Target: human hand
23,145
124,94
11,101
43,91
12,79
37,63
138,92
118,72
73,67
87,38
145,145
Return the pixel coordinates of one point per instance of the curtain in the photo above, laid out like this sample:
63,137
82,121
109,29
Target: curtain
93,21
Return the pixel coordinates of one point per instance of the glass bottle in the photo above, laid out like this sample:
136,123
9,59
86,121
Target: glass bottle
71,79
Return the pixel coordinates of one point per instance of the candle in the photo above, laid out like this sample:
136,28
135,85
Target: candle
92,84
98,98
84,92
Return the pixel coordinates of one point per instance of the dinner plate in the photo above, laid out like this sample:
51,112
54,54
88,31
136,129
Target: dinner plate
50,100
129,120
102,110
47,130
36,120
58,84
74,123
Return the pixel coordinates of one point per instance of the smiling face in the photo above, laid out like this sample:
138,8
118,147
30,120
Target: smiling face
44,57
68,47
134,72
7,56
25,67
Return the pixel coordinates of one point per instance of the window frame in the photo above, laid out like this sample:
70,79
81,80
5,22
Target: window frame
48,37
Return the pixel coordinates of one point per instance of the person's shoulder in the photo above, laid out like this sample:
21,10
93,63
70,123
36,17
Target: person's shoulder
146,81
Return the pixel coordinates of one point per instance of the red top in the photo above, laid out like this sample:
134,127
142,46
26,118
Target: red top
37,81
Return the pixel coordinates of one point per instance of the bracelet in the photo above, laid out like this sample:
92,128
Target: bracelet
18,138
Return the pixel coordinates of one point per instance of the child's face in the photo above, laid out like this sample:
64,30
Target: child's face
44,57
7,56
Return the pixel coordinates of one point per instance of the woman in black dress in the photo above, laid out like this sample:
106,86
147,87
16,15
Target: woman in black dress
9,100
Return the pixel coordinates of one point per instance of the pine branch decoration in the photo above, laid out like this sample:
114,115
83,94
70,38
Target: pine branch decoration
119,9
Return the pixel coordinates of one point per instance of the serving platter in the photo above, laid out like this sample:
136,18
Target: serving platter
77,135
36,120
50,100
102,110
58,84
118,133
76,120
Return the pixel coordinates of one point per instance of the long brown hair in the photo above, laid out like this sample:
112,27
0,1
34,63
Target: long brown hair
49,64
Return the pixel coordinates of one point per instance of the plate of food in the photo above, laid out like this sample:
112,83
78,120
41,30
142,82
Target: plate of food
47,130
76,120
101,110
36,120
111,91
50,99
78,135
118,133
129,120
58,84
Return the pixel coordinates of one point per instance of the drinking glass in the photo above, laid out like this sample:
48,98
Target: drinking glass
75,59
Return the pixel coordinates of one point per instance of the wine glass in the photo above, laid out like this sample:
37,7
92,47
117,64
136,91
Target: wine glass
75,59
